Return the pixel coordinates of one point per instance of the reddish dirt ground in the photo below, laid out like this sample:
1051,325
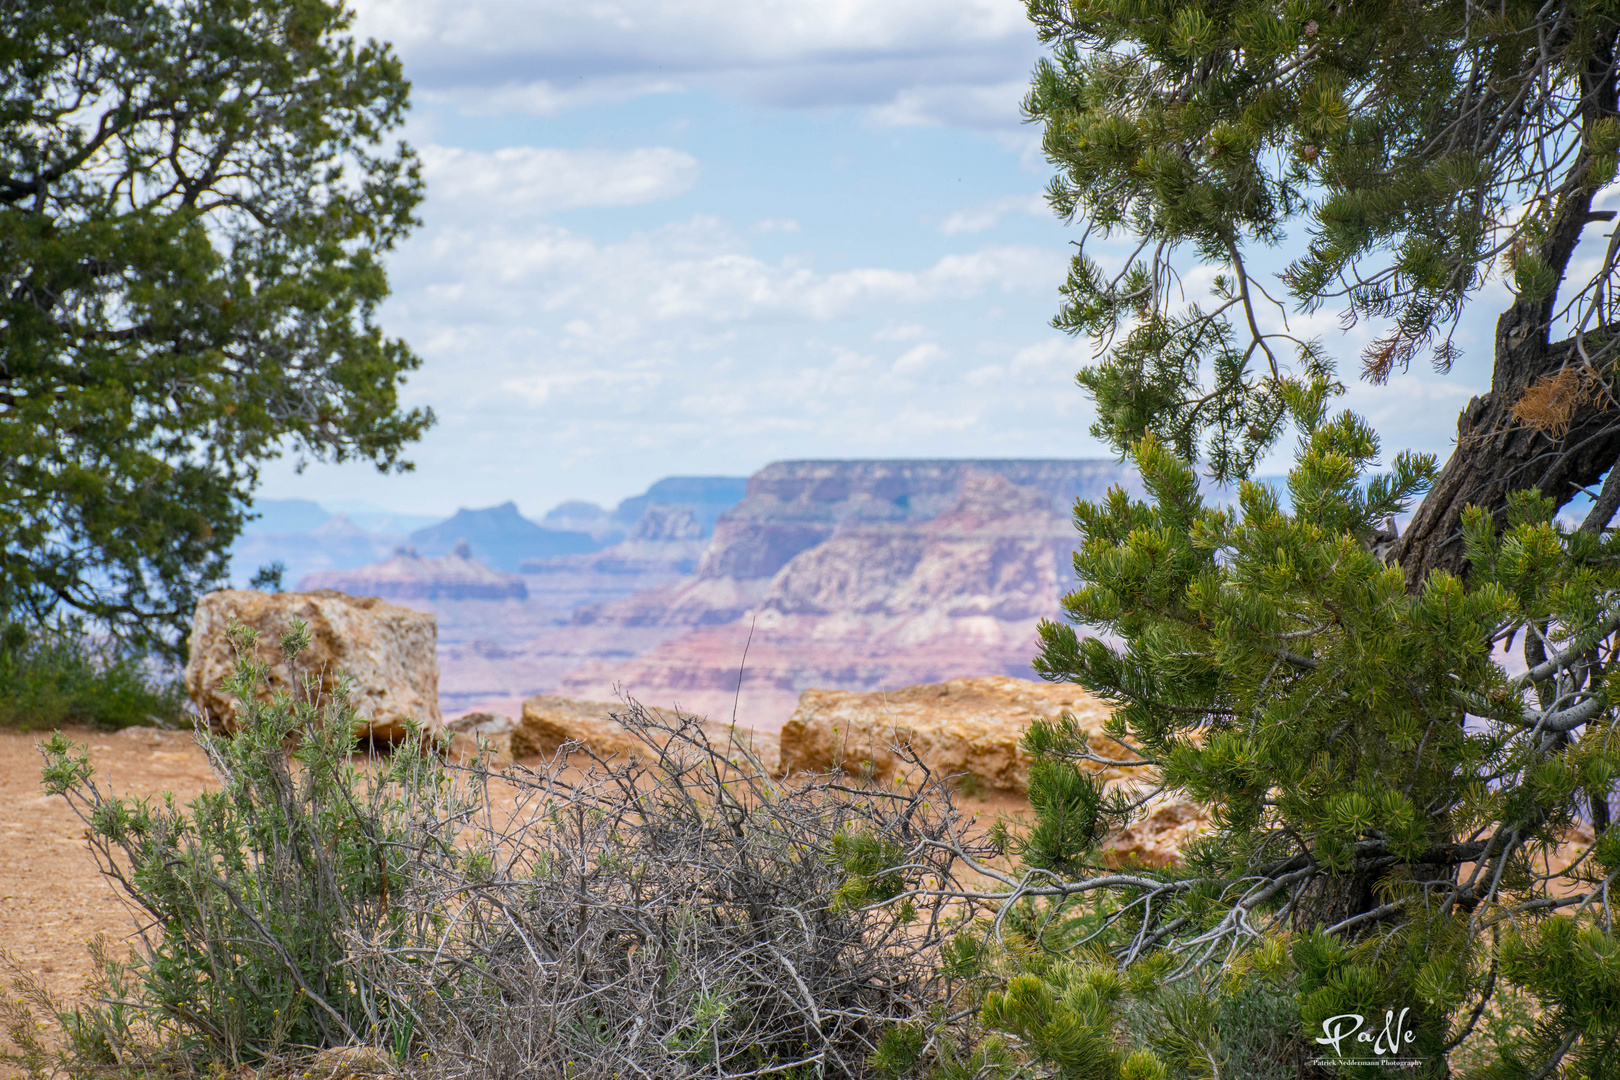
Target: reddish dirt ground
52,897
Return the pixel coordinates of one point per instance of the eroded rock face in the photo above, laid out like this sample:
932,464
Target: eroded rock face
879,604
665,523
550,721
792,506
388,651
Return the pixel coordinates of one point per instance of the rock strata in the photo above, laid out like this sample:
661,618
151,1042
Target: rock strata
880,604
792,507
664,547
388,652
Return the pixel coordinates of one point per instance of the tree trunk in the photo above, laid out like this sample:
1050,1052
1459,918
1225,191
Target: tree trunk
1497,453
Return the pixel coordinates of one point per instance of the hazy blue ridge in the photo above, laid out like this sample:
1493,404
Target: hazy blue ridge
708,496
500,537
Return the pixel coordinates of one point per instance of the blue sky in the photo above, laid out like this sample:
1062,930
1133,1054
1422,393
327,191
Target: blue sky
677,237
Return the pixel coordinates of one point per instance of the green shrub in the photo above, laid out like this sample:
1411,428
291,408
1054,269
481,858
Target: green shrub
266,896
54,675
1387,798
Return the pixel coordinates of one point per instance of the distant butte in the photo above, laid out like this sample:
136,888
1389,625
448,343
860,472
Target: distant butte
409,576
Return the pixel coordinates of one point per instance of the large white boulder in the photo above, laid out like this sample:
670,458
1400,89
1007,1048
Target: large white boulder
389,652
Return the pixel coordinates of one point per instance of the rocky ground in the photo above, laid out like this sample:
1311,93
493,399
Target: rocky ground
53,899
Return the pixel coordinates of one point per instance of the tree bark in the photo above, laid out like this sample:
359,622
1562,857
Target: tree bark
1497,455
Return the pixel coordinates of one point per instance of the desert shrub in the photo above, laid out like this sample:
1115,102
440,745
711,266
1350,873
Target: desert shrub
681,913
676,913
61,674
256,897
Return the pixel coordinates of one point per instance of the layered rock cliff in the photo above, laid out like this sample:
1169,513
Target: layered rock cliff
793,506
853,575
877,604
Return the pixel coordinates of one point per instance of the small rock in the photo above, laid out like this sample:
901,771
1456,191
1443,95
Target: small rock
147,736
338,1062
1157,837
486,733
550,721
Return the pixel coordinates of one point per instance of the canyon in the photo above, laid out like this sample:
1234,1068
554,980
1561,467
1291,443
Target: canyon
842,575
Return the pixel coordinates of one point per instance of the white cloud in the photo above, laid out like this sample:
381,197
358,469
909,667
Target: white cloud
900,332
698,271
960,104
540,97
546,388
1056,356
774,225
986,215
542,179
678,31
923,61
918,358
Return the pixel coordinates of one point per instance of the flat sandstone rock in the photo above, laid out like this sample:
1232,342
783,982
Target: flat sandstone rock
964,726
974,727
390,652
550,721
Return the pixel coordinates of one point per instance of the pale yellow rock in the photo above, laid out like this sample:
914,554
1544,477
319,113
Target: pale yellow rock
973,727
1157,837
389,652
550,721
482,735
342,1062
964,726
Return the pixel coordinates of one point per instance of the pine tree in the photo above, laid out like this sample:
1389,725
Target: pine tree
195,198
1397,155
1387,794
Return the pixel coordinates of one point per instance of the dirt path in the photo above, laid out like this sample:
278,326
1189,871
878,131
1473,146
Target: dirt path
52,899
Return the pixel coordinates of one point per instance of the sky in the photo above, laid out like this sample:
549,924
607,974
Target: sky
692,237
